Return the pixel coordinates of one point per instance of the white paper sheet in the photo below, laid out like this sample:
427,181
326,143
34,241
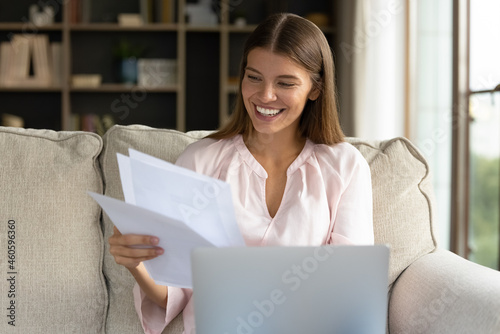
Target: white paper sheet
182,208
203,203
126,178
173,267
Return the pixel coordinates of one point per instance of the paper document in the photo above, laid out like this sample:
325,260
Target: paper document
182,208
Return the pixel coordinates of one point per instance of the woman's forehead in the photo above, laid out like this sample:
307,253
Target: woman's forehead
264,60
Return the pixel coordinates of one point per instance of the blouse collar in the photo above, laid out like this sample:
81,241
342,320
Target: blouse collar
247,156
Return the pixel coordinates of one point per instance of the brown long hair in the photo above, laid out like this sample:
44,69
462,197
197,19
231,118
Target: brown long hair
303,42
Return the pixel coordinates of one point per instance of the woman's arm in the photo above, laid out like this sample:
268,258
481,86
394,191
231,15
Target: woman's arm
124,250
157,293
354,217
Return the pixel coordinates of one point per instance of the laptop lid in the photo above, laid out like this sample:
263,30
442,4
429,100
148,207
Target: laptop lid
293,290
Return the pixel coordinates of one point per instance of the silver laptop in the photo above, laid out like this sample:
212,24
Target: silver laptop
292,290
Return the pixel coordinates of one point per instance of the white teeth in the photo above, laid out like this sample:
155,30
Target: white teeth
268,112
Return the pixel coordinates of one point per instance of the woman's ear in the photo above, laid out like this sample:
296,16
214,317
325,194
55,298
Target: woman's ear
314,94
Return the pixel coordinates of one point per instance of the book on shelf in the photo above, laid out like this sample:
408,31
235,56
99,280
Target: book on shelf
86,11
86,80
146,8
30,60
92,123
5,60
130,20
74,11
157,11
42,67
80,11
14,60
165,11
57,63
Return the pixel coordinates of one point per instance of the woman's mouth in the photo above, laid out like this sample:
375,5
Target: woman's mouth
268,112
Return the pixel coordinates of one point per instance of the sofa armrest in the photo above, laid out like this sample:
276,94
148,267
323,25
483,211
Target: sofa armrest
444,293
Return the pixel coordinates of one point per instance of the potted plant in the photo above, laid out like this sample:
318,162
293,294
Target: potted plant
126,55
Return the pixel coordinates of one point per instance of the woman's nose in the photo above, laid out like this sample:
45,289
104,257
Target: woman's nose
267,93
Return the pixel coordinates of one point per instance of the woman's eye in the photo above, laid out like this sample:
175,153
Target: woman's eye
286,84
252,77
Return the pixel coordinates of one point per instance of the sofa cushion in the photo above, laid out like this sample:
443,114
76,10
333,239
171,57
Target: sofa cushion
403,200
164,144
50,232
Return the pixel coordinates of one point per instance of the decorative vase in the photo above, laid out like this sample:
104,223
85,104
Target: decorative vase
128,71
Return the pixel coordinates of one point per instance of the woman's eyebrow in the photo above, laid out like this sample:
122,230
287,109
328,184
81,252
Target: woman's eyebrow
283,76
248,68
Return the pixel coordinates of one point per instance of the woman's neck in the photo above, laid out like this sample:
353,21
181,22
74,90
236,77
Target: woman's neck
276,147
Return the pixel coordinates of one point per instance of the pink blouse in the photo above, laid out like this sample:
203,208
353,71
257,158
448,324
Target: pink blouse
327,200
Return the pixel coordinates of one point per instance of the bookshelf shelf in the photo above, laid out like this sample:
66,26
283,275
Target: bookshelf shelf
207,62
29,28
195,28
99,27
52,89
122,88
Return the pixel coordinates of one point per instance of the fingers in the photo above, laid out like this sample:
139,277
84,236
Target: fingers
130,250
124,251
132,257
132,239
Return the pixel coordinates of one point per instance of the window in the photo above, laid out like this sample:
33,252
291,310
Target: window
484,133
430,59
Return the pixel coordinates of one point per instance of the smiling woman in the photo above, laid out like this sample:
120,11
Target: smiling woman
275,91
294,180
303,46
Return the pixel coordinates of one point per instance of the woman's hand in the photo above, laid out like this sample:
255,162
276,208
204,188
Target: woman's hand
130,250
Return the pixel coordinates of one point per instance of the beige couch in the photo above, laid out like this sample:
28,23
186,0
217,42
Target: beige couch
58,276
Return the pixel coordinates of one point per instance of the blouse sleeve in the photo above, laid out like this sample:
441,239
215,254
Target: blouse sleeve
353,222
154,318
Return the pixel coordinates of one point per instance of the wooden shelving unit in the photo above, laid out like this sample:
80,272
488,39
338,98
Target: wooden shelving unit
207,62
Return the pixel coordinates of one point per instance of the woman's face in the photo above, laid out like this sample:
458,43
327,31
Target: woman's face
275,91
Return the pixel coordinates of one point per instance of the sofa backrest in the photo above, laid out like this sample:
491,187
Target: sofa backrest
51,254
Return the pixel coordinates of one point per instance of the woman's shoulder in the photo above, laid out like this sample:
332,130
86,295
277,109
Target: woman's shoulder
341,161
206,146
342,153
200,145
205,152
